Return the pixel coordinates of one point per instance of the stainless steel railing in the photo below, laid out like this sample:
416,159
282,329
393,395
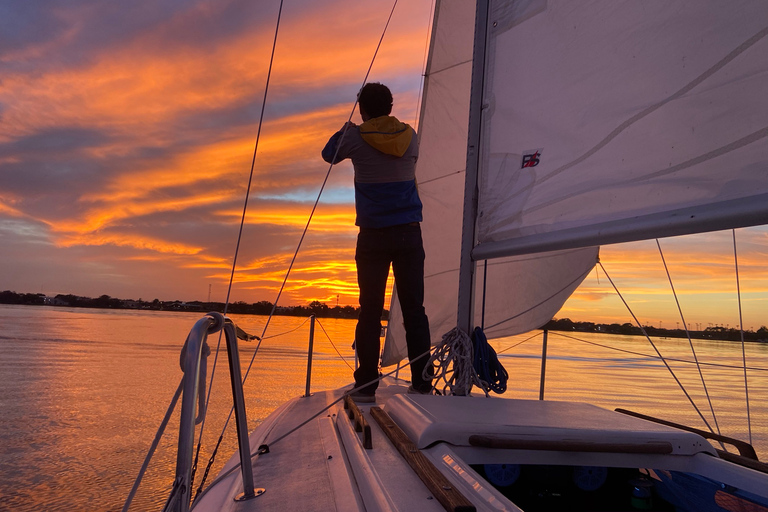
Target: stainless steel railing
214,322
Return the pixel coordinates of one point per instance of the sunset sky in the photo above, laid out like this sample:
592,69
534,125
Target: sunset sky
126,137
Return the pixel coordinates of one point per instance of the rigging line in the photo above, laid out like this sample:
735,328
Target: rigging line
518,344
650,356
240,231
688,334
288,332
379,379
443,176
314,207
741,330
153,447
319,194
333,344
253,159
655,348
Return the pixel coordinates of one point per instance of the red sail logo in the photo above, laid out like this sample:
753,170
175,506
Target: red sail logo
531,159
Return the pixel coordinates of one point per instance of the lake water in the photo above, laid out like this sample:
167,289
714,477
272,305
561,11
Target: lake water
85,391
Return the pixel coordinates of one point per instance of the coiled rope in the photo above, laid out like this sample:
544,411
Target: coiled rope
490,371
451,365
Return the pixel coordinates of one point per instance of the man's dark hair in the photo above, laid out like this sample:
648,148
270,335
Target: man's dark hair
375,99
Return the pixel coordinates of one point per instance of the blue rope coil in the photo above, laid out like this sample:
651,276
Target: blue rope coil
486,363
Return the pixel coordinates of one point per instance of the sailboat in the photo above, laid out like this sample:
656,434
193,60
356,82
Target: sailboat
548,128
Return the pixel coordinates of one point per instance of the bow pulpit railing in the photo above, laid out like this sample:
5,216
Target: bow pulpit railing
192,361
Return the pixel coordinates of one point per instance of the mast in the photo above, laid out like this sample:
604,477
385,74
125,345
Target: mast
465,315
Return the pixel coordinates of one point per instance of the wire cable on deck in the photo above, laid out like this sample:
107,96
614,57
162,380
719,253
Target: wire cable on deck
688,334
655,348
741,330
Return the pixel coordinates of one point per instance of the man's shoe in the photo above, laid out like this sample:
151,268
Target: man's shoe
413,391
363,398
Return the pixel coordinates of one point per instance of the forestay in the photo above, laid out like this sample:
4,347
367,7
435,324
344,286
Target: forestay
603,121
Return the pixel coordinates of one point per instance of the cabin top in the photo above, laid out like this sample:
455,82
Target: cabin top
536,425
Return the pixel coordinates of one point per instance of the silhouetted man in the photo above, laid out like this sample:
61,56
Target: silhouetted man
384,153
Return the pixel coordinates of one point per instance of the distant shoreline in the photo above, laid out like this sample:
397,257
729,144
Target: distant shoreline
319,309
316,308
713,332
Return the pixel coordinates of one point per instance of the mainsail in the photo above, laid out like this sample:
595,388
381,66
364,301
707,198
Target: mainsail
591,133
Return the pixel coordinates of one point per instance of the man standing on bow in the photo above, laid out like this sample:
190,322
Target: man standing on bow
384,153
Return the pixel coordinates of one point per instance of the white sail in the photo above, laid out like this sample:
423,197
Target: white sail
644,115
602,122
518,297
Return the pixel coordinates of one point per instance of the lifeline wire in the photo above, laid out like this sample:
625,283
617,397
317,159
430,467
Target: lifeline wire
650,356
519,343
741,330
655,348
688,334
334,345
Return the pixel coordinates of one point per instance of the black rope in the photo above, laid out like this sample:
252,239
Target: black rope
487,365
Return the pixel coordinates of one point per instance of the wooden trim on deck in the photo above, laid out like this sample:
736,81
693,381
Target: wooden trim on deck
448,496
361,425
497,441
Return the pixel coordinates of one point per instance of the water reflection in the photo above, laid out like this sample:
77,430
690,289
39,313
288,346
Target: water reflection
85,391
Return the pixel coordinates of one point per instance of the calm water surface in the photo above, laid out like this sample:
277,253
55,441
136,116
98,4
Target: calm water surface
85,391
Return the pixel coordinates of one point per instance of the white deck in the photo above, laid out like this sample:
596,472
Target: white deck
323,465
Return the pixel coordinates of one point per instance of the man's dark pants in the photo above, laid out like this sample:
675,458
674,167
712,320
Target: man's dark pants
376,249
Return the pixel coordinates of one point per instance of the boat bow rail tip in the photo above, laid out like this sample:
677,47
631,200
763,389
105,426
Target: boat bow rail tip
192,353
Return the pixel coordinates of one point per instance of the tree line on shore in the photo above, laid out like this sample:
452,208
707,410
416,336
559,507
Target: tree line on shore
264,307
321,310
713,332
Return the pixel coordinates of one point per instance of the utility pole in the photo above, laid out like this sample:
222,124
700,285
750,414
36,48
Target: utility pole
209,293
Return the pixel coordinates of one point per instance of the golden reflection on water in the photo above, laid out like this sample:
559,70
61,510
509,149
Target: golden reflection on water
85,392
